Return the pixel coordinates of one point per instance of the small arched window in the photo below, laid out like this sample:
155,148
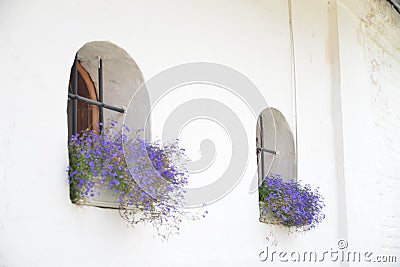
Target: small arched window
103,80
276,155
275,146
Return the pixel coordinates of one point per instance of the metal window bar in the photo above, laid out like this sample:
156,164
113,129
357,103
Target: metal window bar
261,149
75,97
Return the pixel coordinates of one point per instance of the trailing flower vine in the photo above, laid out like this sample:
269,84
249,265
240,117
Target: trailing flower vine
147,179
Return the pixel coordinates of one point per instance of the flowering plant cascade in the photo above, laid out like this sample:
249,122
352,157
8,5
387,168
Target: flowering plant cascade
290,204
143,176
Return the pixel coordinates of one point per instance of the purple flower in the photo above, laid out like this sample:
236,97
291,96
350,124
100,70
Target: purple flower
131,168
290,203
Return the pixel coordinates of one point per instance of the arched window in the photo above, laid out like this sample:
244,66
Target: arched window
106,78
103,80
275,146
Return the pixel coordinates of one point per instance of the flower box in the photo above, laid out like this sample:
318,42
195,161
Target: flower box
289,204
138,177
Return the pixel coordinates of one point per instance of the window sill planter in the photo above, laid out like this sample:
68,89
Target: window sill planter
289,204
266,217
101,197
130,174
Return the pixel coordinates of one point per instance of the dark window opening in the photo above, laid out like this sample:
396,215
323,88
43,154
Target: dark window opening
87,114
85,106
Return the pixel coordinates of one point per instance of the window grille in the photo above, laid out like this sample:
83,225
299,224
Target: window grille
75,97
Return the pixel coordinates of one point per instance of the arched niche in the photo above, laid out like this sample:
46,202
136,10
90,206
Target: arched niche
122,78
274,134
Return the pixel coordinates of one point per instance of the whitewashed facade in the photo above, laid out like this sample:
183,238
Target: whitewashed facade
334,77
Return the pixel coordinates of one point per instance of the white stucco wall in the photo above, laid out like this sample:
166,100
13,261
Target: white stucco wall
38,224
370,63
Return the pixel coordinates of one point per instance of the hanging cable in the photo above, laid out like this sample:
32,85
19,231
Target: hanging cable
293,70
